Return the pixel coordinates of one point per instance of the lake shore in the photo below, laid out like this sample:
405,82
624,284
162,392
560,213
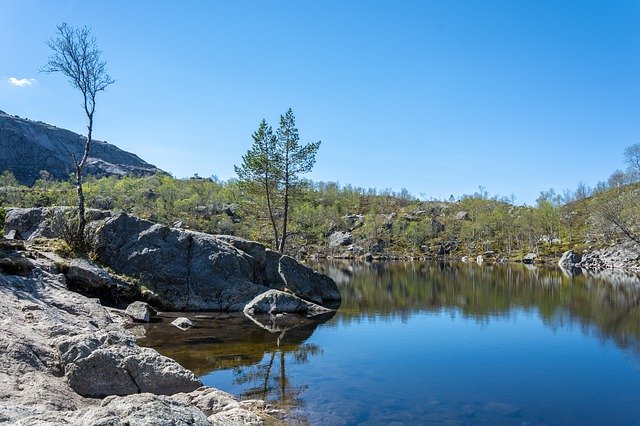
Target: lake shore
68,359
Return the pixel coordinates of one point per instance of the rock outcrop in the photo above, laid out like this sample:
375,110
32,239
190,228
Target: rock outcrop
61,353
27,147
625,255
185,270
569,259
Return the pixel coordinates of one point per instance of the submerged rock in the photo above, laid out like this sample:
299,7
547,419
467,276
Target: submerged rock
182,323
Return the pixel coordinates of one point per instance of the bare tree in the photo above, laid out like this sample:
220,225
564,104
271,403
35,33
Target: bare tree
632,159
76,55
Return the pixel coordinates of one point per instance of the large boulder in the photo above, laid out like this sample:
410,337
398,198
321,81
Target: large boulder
569,259
340,238
307,283
187,270
275,302
44,222
109,363
140,311
183,270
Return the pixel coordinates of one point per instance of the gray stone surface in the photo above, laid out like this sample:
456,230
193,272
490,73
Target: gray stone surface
87,274
183,270
182,323
624,255
569,259
140,311
276,301
307,283
58,347
529,258
28,146
339,238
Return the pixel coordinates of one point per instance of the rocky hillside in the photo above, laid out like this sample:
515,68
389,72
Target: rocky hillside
27,147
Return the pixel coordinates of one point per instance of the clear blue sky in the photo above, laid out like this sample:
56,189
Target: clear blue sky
438,97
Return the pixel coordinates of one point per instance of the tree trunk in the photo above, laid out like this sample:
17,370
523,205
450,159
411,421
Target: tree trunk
271,218
81,215
285,218
79,167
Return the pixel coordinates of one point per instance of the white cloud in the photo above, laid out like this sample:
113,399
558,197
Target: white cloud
21,82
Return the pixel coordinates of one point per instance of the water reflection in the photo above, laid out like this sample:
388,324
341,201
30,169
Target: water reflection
256,348
326,361
605,302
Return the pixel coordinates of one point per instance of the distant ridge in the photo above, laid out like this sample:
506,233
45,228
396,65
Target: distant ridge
27,147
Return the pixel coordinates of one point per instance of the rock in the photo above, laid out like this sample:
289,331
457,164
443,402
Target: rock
182,323
368,257
231,210
187,270
57,346
462,215
480,260
340,238
624,255
254,249
569,259
353,221
181,269
85,274
276,301
11,235
529,258
307,283
140,311
44,222
377,247
28,147
436,227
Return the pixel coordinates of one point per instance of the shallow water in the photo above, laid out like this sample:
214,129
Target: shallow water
421,343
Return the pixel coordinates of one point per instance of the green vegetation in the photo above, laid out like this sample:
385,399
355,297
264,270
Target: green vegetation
383,223
272,168
393,223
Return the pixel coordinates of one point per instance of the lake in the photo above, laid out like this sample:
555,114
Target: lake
422,343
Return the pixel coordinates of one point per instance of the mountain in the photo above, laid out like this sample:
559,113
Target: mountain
27,147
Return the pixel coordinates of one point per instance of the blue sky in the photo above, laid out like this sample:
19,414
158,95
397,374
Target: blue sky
438,97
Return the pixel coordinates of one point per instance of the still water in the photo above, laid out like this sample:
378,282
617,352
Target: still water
423,343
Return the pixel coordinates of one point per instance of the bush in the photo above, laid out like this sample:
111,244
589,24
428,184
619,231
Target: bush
3,214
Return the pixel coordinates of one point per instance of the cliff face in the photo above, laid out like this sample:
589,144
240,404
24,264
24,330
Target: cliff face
27,147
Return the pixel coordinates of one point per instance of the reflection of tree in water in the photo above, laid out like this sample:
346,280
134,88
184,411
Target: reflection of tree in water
270,381
606,304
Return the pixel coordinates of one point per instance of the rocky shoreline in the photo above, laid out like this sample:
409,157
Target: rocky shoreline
66,359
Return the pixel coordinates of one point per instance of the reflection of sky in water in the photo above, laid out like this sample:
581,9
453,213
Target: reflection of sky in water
421,343
444,367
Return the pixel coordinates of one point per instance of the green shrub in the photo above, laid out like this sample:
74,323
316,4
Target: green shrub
3,214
